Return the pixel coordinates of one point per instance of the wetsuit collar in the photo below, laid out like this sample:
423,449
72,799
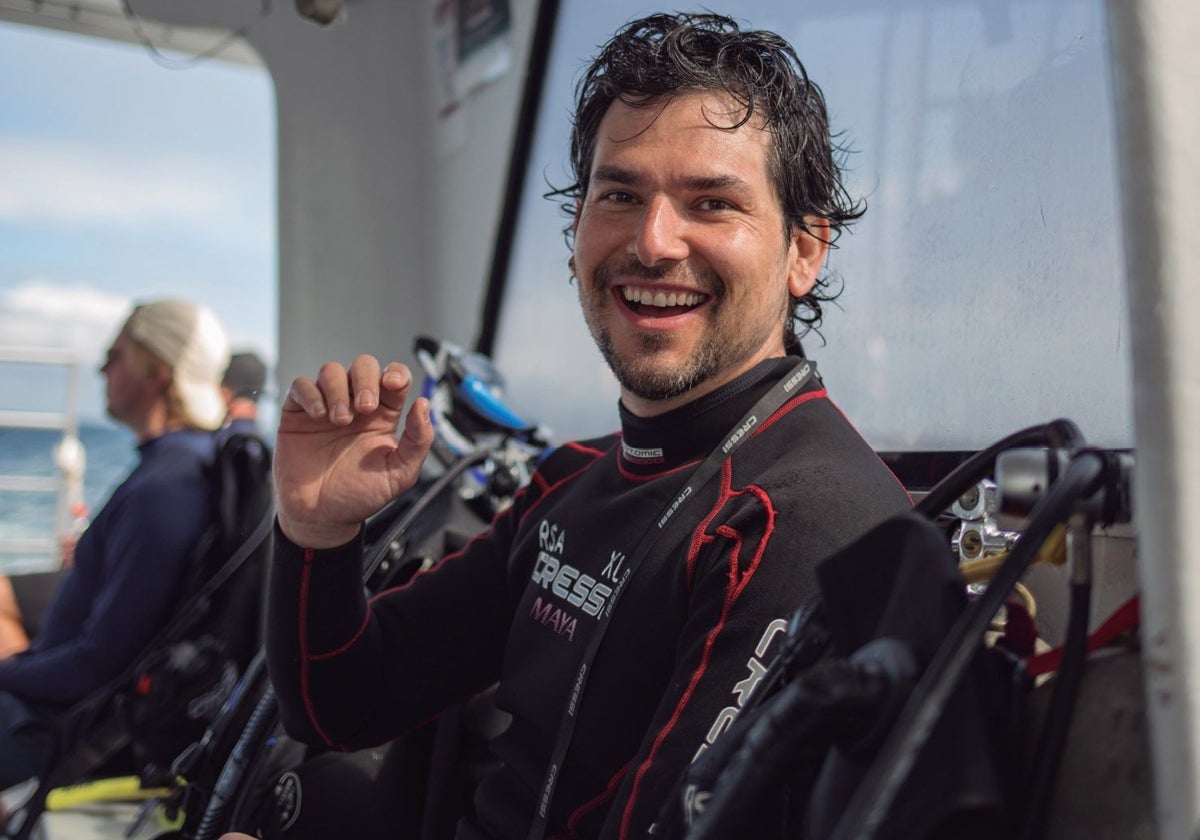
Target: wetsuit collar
652,445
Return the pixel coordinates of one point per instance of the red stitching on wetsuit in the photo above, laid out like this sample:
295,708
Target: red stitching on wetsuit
626,474
506,512
422,572
885,466
587,450
556,485
768,529
627,816
302,616
823,394
362,628
700,537
737,584
592,804
796,401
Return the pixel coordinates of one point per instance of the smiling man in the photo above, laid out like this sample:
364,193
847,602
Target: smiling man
628,600
686,263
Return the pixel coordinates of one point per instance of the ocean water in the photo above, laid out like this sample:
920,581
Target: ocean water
111,453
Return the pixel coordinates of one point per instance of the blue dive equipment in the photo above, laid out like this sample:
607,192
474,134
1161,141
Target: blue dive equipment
469,412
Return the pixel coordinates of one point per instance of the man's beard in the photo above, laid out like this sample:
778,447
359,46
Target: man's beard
721,347
643,380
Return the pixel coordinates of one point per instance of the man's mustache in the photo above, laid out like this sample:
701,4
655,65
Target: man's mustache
612,271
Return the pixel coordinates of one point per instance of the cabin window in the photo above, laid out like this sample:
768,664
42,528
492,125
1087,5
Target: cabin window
983,290
121,179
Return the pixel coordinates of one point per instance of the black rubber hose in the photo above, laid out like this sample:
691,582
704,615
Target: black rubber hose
434,490
837,702
241,758
806,640
200,751
873,799
1053,738
1061,434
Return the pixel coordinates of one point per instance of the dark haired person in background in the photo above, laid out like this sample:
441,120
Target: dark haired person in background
241,386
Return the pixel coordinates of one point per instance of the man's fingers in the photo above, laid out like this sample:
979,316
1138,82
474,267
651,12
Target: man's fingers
417,437
364,384
334,384
395,384
304,395
341,393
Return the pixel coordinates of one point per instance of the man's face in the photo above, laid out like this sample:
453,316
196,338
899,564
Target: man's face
683,261
130,388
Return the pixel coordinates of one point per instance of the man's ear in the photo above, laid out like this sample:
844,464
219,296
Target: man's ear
806,254
574,230
162,376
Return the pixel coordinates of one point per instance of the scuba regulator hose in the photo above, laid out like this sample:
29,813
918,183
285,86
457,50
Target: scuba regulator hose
849,703
872,800
1052,740
245,755
447,478
1059,434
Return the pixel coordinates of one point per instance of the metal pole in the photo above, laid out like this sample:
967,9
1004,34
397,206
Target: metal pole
1157,75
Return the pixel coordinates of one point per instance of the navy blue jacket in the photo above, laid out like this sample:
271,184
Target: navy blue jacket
129,566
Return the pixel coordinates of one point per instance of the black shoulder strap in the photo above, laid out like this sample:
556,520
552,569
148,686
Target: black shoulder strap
232,496
242,468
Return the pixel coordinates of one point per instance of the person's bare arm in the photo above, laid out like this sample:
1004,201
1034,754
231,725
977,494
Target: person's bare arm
12,629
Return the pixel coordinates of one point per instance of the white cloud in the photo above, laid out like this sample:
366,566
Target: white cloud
37,305
78,318
68,183
37,313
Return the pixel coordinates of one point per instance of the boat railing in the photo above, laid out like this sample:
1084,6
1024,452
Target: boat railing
69,456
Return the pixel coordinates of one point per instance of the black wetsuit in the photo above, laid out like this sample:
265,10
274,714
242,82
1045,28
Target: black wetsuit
687,641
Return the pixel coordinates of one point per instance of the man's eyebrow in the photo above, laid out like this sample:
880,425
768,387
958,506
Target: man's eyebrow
695,183
715,183
616,174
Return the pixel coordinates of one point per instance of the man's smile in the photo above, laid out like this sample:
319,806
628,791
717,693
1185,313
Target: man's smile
657,302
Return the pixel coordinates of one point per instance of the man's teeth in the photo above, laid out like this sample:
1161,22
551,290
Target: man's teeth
648,298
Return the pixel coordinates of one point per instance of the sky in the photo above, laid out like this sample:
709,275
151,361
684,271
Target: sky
123,180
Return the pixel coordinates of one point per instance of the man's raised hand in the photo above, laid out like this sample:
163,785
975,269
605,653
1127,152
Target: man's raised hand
337,458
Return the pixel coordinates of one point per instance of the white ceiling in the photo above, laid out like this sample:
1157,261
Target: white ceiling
112,19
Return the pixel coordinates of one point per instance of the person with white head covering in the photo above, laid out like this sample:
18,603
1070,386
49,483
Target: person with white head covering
162,380
181,353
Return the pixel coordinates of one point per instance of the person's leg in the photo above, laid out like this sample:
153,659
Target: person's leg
12,628
26,739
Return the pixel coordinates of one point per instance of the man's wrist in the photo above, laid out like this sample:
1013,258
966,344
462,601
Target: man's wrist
318,535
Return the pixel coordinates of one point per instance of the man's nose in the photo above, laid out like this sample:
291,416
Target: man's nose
661,235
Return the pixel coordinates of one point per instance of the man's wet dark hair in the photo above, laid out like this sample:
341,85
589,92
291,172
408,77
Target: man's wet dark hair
662,56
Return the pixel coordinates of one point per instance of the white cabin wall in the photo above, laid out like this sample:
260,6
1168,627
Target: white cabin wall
419,261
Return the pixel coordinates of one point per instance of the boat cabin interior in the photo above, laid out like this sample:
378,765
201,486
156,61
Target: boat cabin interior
1028,253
